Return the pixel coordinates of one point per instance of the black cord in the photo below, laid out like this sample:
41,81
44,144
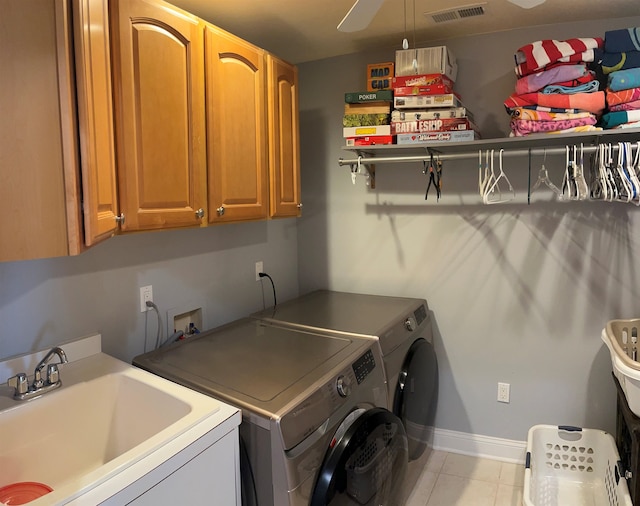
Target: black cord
265,275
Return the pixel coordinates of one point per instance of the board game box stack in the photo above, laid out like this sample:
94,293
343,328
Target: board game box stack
367,114
426,107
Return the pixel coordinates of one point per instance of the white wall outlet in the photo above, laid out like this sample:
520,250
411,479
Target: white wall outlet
503,392
259,269
146,294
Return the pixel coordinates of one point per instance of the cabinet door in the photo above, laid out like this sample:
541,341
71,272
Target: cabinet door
95,119
160,124
39,184
236,128
284,142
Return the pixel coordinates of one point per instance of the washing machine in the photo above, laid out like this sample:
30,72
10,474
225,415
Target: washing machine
402,328
315,425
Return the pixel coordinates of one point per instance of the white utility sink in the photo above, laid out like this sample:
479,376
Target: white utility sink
108,425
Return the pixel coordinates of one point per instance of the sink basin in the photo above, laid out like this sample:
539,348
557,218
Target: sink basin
107,416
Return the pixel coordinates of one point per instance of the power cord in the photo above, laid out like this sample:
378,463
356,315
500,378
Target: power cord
155,308
265,275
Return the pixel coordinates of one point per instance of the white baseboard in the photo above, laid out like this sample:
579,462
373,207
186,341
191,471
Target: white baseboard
475,445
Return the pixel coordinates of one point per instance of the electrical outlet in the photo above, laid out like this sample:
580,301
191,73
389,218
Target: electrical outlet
259,269
146,294
503,392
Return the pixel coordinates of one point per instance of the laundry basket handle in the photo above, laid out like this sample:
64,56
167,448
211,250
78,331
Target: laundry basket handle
569,428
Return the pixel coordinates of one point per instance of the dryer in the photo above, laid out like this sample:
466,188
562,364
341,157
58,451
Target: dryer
315,427
402,328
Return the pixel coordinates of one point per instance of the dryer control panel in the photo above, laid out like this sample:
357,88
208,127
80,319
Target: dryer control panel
363,366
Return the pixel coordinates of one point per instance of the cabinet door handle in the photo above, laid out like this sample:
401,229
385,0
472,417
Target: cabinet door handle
220,211
120,219
200,213
299,206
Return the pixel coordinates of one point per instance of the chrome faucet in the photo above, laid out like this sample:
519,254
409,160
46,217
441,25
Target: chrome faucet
39,386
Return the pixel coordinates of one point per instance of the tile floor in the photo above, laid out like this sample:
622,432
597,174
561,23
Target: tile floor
449,479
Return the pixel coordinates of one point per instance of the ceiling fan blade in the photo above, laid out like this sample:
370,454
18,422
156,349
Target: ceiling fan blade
527,4
360,15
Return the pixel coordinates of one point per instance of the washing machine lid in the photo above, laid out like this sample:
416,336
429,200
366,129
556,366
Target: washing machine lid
252,364
354,313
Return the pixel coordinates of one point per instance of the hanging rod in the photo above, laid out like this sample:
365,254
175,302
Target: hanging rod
433,152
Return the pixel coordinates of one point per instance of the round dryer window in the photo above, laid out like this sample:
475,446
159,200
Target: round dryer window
416,395
365,463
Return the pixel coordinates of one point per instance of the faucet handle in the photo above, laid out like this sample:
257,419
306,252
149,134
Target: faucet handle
53,374
19,383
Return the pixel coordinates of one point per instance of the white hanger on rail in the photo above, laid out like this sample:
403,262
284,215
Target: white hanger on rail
489,174
582,189
494,194
481,178
629,169
599,187
634,168
544,179
625,190
610,176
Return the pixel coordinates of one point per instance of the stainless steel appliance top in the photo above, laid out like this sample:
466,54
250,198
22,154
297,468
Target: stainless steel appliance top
378,316
255,365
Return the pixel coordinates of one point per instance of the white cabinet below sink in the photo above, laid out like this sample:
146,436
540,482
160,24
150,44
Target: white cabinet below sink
206,472
118,435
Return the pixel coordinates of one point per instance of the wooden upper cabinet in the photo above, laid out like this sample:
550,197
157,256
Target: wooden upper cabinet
236,128
95,119
39,179
158,70
284,142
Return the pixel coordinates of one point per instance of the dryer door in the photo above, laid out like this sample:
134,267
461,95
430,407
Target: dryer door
366,462
416,395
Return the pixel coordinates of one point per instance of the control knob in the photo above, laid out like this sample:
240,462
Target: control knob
343,385
410,324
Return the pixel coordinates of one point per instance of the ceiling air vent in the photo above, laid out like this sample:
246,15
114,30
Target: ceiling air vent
466,11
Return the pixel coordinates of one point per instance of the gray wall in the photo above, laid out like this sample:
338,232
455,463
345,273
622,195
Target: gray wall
519,293
47,302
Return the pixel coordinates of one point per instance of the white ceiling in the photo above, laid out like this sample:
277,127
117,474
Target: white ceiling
305,30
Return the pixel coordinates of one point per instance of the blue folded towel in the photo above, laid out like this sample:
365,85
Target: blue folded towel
589,87
624,79
619,41
612,62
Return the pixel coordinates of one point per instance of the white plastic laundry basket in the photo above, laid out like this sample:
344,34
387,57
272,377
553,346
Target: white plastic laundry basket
570,466
621,337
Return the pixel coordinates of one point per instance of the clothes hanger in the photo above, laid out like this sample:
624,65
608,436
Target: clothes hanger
489,175
599,189
631,173
502,177
484,174
568,181
609,173
481,179
624,190
582,189
543,179
635,167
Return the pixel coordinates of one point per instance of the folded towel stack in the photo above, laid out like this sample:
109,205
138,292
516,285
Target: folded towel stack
556,92
620,62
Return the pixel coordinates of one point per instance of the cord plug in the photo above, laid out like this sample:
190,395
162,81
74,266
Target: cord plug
273,286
